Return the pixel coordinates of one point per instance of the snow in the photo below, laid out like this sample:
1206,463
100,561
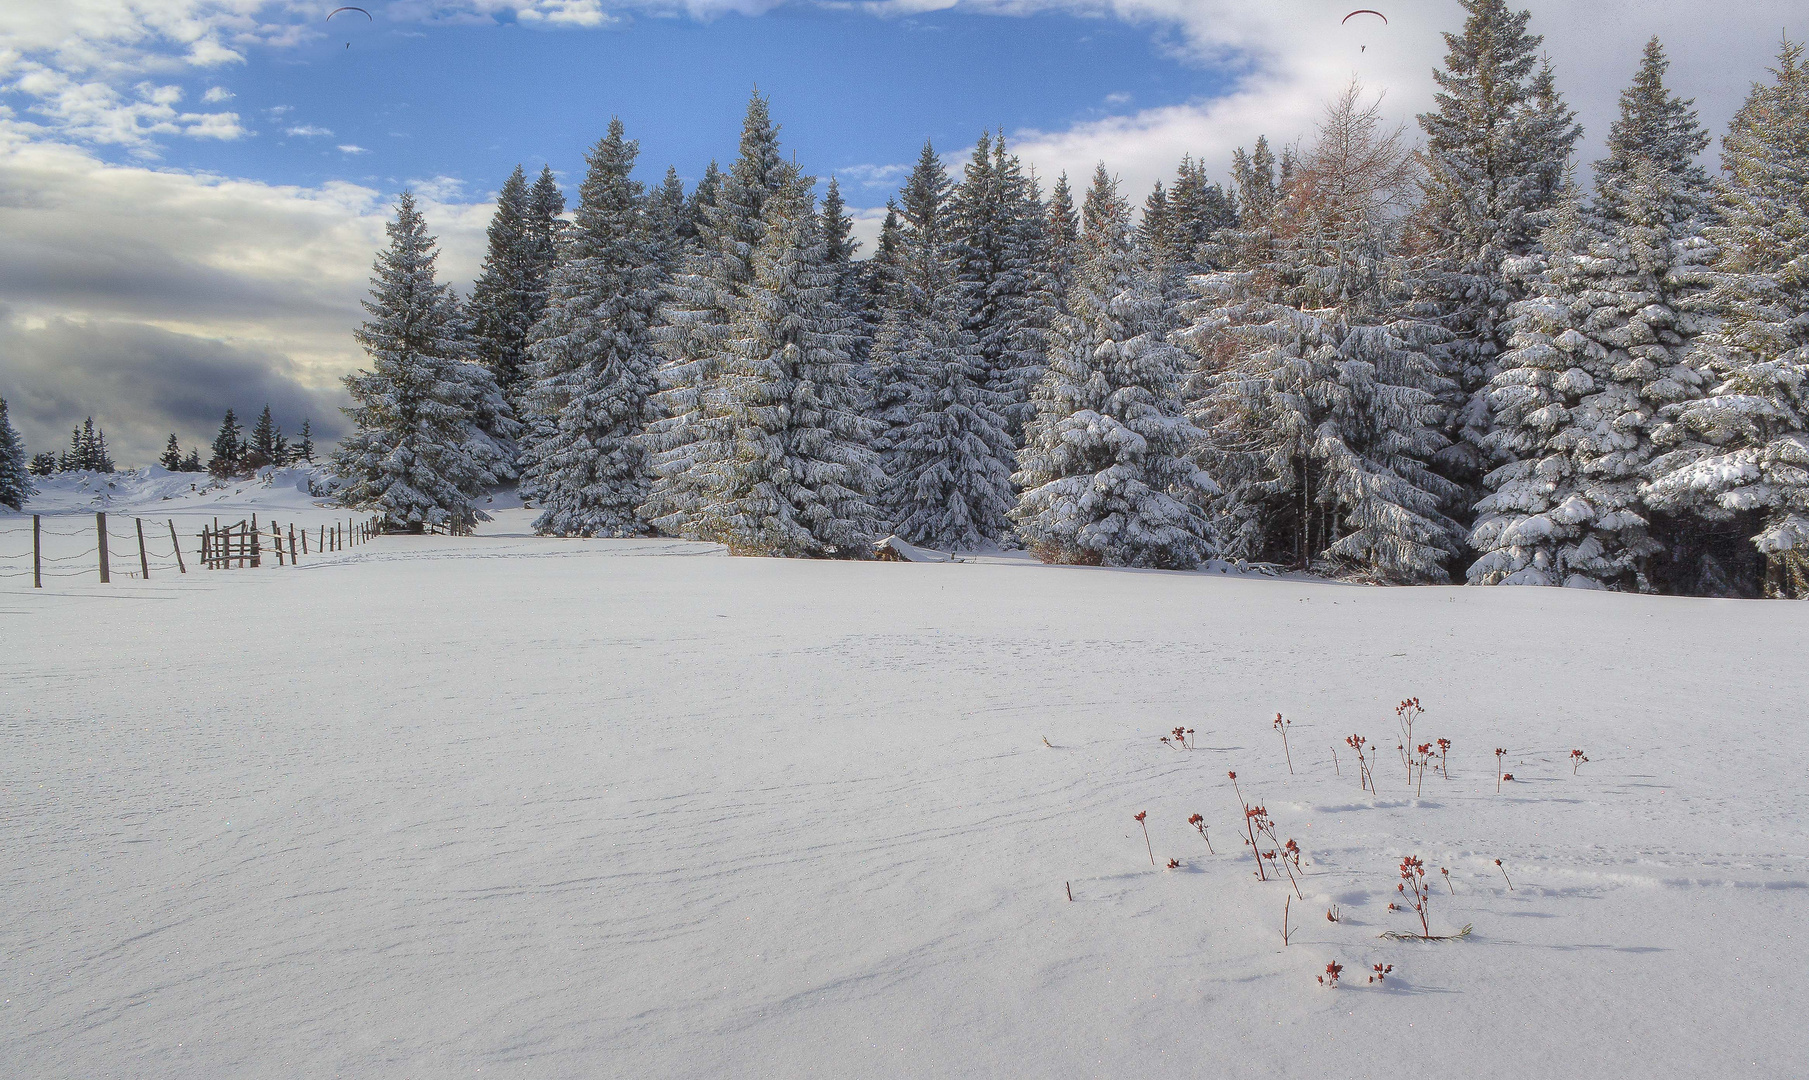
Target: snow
439,806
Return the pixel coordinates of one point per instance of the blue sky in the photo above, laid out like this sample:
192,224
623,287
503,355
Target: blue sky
852,92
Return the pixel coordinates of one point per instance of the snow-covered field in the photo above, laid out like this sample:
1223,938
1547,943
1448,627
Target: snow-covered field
446,807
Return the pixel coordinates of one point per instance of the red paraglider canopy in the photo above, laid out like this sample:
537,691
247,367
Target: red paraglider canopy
1364,11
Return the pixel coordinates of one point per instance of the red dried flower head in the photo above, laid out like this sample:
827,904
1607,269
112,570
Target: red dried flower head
1173,863
1232,775
1507,776
1142,814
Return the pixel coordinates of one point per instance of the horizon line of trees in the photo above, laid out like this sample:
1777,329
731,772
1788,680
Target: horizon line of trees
1370,356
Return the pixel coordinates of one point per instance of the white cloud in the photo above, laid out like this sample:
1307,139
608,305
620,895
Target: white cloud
349,148
217,94
309,131
873,176
1118,97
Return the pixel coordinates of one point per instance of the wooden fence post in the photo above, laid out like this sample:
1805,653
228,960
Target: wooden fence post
100,529
177,544
276,533
37,565
144,564
293,561
304,538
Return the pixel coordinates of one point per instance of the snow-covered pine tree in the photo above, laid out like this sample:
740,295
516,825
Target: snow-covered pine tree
171,458
15,480
946,450
839,246
670,214
43,463
228,448
1199,210
304,446
995,233
1600,347
545,224
1739,458
702,197
409,459
800,478
592,362
1315,374
1061,244
192,463
1106,471
502,304
695,435
1498,142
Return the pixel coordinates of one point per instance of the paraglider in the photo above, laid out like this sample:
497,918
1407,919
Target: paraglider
359,10
1365,11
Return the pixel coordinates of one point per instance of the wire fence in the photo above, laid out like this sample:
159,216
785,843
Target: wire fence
48,548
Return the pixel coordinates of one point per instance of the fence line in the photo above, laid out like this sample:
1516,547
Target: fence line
240,544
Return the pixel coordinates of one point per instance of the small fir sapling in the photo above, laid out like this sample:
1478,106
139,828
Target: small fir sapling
1199,823
1379,972
1141,815
1332,971
1504,875
1577,758
1281,728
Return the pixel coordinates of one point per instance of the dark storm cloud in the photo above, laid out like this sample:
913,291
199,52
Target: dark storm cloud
140,383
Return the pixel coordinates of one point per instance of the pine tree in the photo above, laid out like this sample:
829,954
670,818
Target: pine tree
1316,376
945,447
502,305
192,463
839,246
228,448
1061,242
695,437
669,213
88,449
15,480
408,459
1498,142
800,478
304,448
995,232
1199,210
263,446
43,463
1739,457
1601,346
593,364
1105,470
172,455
